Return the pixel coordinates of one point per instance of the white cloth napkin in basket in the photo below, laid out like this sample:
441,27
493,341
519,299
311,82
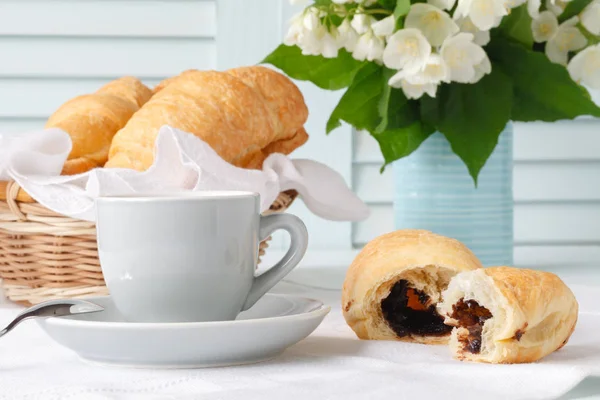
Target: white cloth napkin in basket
182,162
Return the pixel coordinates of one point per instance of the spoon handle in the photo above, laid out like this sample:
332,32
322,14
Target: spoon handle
52,308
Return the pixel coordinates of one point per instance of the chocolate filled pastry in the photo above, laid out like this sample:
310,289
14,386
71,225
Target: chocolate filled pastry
508,315
393,286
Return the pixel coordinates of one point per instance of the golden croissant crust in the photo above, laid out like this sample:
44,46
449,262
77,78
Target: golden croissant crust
91,120
244,114
508,315
394,284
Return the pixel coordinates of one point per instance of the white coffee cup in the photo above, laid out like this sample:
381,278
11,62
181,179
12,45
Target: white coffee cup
189,256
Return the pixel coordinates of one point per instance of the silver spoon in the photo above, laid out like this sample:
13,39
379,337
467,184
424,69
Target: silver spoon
53,308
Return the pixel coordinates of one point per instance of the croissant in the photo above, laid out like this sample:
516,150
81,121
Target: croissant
244,114
93,119
508,315
394,284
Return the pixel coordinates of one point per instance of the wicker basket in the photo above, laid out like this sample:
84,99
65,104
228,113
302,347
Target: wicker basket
45,255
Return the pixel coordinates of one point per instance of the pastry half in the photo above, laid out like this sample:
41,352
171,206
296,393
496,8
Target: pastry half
393,286
244,114
91,120
508,315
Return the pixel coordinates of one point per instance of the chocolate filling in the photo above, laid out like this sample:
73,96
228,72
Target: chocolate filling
408,311
472,316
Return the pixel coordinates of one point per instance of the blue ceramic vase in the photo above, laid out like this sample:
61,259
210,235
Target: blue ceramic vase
434,191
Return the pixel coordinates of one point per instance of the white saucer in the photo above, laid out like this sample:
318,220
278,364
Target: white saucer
261,333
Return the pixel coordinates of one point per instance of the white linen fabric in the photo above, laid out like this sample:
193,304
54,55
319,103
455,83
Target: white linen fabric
330,364
183,162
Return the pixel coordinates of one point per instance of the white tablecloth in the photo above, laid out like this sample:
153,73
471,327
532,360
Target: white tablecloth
330,364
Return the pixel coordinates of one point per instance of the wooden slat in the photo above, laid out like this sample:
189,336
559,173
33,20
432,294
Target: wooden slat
39,98
571,181
366,149
12,126
562,140
108,18
553,258
558,257
379,222
533,223
103,57
548,181
557,223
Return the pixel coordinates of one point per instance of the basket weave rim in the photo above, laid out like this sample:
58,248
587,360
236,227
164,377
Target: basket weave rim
11,189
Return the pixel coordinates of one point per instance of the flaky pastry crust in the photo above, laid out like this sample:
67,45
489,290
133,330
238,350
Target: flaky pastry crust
244,114
533,313
426,260
91,120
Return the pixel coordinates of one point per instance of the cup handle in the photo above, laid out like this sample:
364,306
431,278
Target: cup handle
299,242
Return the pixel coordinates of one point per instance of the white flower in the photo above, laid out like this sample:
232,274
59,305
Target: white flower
407,49
567,38
307,32
533,8
384,27
485,14
362,23
514,3
585,67
369,47
342,1
295,31
435,71
435,24
330,43
312,18
481,69
479,37
560,39
556,6
317,41
425,80
590,17
415,91
443,4
461,56
299,2
544,27
347,36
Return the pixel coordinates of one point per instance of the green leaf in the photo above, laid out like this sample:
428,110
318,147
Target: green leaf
517,25
401,130
370,104
543,91
359,105
573,8
402,8
326,73
400,142
387,4
471,116
395,109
